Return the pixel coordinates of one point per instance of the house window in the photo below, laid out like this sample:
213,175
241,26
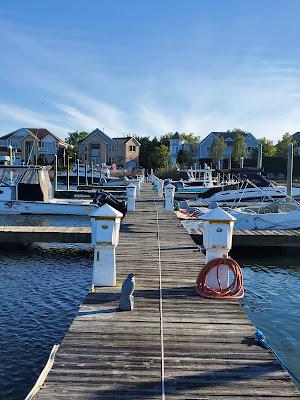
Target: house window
15,143
208,149
132,148
250,149
85,148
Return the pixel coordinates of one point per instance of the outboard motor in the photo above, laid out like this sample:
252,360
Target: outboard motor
102,198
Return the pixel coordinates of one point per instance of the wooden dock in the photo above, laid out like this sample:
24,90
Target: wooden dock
174,345
63,234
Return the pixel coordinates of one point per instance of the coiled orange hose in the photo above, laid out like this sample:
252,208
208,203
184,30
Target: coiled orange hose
234,291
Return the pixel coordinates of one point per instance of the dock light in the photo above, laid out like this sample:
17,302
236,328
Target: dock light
105,223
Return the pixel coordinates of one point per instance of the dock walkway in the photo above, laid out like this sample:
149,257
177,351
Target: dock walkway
174,345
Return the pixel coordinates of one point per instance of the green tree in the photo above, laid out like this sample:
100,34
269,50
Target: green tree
268,148
183,157
146,150
282,145
239,149
165,139
217,149
159,157
73,140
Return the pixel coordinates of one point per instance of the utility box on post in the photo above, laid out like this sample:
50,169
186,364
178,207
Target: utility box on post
131,196
105,223
217,240
169,197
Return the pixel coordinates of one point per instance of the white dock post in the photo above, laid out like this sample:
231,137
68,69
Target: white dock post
169,197
78,175
68,173
242,162
217,240
55,173
105,237
259,156
137,183
290,170
131,196
160,187
151,177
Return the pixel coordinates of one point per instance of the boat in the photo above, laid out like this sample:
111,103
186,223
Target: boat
28,190
280,215
89,176
251,187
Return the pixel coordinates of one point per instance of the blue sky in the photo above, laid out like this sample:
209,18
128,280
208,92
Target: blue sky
150,67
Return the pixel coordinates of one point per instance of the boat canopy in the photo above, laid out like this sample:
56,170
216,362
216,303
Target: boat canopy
32,183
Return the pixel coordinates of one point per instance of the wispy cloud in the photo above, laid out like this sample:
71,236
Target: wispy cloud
83,91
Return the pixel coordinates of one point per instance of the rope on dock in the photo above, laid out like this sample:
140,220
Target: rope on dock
163,394
41,379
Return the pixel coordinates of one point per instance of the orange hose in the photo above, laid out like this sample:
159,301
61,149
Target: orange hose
234,291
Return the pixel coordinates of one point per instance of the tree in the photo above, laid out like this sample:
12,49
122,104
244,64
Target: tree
165,139
159,157
183,157
73,139
239,149
282,145
268,147
217,149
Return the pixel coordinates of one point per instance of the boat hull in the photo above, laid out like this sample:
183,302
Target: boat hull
46,208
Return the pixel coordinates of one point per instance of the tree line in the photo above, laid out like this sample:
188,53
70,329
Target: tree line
218,147
154,153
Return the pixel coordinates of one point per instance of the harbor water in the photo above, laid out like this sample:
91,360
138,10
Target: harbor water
42,287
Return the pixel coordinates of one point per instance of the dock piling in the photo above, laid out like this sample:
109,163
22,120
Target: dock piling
68,173
290,170
78,175
55,172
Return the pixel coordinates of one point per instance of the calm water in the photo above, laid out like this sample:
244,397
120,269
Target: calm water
42,287
272,301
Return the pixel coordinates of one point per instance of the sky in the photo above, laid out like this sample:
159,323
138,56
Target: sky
148,67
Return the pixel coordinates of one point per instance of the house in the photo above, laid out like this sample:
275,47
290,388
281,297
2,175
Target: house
296,136
177,142
229,136
97,147
127,151
32,144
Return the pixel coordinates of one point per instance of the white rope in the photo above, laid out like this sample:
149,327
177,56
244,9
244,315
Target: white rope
163,394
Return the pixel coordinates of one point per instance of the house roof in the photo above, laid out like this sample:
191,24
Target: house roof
126,139
296,136
101,135
39,133
177,136
226,135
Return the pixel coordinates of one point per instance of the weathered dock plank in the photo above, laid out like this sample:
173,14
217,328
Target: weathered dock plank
174,346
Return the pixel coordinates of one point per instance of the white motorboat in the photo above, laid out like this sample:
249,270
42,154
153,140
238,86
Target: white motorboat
281,214
28,190
252,187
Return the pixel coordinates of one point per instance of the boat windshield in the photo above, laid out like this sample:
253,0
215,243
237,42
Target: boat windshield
10,177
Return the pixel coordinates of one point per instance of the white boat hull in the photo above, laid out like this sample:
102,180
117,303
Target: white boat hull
269,221
54,207
251,194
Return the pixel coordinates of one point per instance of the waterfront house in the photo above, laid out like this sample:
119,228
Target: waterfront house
296,136
97,147
31,144
177,142
205,144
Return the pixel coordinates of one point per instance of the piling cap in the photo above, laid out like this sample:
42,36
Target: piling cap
217,214
169,186
131,185
106,212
